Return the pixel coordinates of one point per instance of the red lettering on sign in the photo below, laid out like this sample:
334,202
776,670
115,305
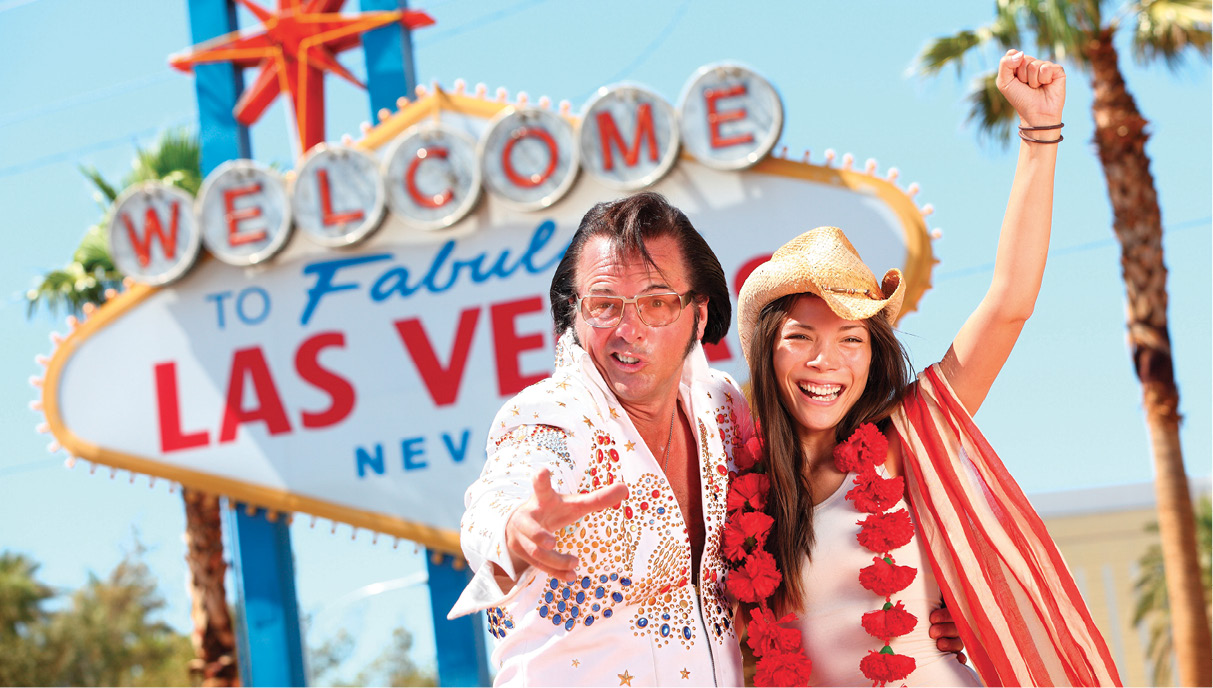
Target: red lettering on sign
172,437
151,222
235,217
410,180
608,133
442,382
307,363
744,271
509,345
716,118
508,166
250,363
328,217
719,351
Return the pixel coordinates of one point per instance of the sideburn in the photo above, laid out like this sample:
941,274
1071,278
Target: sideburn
694,332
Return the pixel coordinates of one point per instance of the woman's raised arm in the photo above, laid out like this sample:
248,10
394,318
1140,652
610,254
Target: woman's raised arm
1037,91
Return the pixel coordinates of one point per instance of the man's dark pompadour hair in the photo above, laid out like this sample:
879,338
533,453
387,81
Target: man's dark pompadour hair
628,223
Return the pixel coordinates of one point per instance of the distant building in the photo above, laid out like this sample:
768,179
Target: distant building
1102,533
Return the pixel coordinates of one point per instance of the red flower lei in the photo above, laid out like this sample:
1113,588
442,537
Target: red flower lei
753,575
881,532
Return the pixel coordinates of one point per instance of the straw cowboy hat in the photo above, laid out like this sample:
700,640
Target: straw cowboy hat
821,261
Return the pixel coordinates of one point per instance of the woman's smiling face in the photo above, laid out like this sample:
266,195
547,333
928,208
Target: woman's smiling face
821,364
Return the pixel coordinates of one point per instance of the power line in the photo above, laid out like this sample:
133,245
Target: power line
30,465
1068,250
86,98
135,84
428,39
14,4
647,51
166,74
129,138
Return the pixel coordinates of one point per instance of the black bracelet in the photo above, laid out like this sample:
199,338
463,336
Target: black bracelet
1059,125
1059,139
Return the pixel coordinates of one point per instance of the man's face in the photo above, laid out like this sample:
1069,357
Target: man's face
642,364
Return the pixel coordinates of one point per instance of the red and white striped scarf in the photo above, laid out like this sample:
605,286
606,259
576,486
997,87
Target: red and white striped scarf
1016,605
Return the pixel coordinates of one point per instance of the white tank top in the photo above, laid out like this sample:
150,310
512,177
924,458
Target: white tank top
834,638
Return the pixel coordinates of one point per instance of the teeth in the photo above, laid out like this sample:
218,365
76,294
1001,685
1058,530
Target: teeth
626,359
827,392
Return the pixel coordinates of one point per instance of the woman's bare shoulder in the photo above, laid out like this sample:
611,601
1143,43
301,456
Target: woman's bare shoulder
893,462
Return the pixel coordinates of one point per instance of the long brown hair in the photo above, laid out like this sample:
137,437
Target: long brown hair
790,502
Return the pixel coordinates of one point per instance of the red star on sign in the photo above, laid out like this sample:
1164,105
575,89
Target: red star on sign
294,48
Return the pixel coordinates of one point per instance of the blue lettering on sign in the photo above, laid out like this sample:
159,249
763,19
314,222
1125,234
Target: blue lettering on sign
243,312
369,460
324,271
412,448
265,306
364,460
218,298
395,281
435,265
457,453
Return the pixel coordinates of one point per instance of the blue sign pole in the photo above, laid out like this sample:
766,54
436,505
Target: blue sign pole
217,87
268,630
462,646
270,648
389,59
271,645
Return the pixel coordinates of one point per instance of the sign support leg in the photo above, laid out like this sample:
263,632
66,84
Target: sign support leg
267,628
268,634
389,59
462,645
217,88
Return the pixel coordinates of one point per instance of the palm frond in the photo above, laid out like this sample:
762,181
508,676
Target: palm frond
93,254
1059,29
948,50
1005,30
175,159
106,193
1152,608
68,290
989,110
1053,31
1170,29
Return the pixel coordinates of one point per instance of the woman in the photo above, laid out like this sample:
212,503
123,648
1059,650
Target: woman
816,329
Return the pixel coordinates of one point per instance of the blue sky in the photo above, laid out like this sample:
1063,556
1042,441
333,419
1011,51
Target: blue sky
85,82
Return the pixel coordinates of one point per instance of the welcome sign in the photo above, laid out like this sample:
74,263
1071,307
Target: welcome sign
351,329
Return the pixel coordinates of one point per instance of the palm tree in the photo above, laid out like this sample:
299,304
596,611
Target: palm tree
1151,589
174,160
1080,33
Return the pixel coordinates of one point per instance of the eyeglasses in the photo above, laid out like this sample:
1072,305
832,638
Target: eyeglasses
655,310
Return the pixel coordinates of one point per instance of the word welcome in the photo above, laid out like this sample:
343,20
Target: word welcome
431,176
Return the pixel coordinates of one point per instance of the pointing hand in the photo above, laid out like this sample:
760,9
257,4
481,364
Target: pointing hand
530,529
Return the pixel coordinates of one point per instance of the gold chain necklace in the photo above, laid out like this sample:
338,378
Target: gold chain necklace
665,459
